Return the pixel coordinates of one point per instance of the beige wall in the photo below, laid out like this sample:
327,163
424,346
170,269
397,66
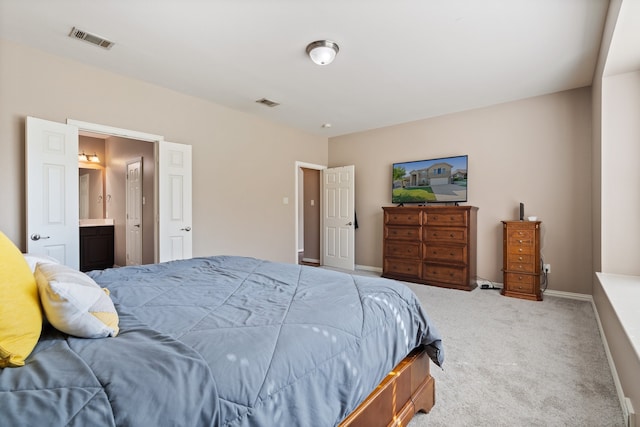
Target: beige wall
621,174
536,151
243,166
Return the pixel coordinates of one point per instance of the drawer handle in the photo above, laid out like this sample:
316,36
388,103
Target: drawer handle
519,241
519,277
519,258
451,235
520,250
453,218
435,218
451,253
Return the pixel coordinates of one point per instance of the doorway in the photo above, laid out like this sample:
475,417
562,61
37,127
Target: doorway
115,152
52,189
335,205
308,244
309,248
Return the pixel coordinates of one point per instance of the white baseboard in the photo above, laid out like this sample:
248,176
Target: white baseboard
570,295
612,365
369,268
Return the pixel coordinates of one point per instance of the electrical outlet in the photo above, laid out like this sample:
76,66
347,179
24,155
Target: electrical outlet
547,268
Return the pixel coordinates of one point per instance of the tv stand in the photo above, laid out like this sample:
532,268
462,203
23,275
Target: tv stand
432,245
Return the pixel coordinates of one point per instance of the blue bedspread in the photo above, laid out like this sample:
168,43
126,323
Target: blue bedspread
223,341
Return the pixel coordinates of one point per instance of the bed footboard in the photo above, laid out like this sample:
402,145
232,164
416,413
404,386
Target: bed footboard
407,389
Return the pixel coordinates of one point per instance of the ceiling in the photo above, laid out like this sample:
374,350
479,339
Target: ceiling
399,60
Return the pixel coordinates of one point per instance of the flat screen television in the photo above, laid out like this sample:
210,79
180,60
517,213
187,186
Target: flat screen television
442,180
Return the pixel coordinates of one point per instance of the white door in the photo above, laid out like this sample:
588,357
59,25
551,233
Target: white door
338,218
134,212
174,222
52,190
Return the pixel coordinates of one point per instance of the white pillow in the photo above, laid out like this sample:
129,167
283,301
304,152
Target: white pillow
33,259
74,303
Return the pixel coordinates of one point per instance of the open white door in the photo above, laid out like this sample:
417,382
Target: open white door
133,207
52,190
175,199
338,217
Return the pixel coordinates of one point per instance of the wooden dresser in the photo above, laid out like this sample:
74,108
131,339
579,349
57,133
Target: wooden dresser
433,245
521,259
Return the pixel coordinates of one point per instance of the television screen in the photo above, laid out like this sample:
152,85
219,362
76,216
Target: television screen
430,181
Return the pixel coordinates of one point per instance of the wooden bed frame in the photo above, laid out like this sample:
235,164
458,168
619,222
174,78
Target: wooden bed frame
408,389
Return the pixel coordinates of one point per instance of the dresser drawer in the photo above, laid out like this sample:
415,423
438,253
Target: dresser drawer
521,262
402,249
517,250
439,273
402,233
454,254
519,282
399,217
521,237
402,267
458,218
445,234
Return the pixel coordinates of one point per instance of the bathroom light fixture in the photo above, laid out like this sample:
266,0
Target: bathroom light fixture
83,157
322,52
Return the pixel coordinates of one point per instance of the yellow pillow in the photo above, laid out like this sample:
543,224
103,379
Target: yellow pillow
20,312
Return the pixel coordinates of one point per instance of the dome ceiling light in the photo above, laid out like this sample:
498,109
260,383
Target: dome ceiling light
322,52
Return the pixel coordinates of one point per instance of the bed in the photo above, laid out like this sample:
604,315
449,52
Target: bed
234,341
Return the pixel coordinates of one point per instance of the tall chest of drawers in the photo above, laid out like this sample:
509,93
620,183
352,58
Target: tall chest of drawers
521,259
433,245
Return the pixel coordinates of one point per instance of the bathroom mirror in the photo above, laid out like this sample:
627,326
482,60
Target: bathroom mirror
91,191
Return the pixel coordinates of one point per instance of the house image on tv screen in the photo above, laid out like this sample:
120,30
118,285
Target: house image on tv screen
438,174
439,180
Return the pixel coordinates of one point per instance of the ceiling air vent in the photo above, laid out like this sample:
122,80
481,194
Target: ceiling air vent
91,38
267,102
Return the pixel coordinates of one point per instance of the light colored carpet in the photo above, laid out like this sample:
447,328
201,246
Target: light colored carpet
512,362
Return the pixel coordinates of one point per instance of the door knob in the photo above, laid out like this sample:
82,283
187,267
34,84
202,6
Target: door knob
36,237
136,225
349,223
187,228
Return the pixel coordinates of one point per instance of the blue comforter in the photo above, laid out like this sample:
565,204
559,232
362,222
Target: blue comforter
223,341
